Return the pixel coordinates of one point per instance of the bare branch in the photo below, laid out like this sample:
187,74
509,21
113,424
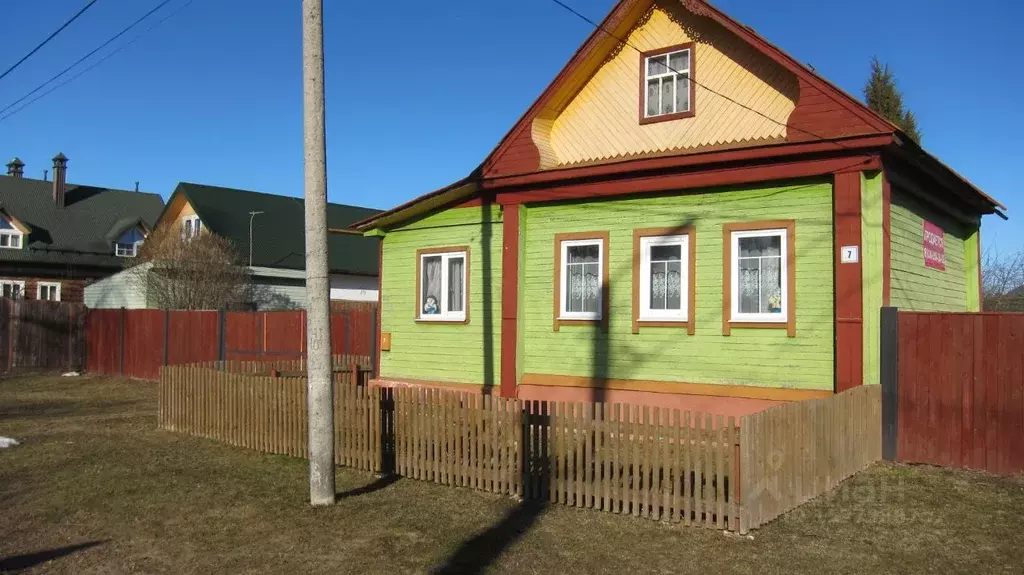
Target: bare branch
1002,281
201,272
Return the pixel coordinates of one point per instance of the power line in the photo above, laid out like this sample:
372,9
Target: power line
691,79
48,38
86,57
98,62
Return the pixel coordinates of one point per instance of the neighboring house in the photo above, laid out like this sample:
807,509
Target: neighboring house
56,237
278,251
689,219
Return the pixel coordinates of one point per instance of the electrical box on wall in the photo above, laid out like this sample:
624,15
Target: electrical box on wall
385,341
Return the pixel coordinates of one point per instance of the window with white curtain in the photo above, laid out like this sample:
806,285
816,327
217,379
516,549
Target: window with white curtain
664,281
667,83
581,281
759,276
442,294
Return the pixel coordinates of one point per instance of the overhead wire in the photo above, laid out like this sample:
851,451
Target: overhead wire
100,61
48,38
123,31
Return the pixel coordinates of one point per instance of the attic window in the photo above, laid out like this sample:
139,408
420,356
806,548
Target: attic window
666,92
10,236
191,226
127,245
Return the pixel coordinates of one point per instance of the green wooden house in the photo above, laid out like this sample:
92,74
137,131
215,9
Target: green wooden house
686,216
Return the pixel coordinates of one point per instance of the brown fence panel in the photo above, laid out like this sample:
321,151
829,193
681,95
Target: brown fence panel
103,341
960,390
143,343
192,336
42,335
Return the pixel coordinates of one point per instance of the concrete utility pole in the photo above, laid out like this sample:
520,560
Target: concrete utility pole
318,318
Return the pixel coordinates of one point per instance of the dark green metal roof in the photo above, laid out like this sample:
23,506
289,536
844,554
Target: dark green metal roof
279,237
78,233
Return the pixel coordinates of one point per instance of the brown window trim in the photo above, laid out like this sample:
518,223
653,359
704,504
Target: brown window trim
727,229
644,120
419,276
691,235
557,291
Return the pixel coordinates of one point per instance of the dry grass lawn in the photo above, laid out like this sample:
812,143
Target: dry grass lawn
96,488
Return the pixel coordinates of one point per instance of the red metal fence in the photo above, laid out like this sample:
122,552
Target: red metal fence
953,384
136,343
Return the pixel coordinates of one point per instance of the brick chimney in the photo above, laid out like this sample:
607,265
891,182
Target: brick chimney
60,169
15,168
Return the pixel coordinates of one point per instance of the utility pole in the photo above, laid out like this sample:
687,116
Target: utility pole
251,216
318,319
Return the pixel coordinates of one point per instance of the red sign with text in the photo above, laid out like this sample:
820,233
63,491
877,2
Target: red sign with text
934,247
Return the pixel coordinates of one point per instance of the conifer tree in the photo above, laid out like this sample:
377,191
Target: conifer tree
882,96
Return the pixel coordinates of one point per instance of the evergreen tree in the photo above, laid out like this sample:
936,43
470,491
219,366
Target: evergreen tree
882,96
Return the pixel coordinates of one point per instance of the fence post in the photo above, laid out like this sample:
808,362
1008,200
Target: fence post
221,324
889,377
167,334
120,339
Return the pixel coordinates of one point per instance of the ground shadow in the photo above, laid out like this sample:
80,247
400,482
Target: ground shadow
476,554
376,485
20,562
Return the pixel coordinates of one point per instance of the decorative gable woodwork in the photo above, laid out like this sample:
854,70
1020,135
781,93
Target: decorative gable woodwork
601,122
588,115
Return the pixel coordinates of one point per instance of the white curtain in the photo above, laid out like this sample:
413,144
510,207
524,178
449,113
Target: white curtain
456,266
431,280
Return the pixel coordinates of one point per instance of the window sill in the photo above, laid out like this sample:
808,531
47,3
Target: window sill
559,321
666,117
443,321
669,323
740,324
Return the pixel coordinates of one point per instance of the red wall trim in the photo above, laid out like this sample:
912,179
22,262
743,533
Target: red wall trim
509,298
719,177
848,146
848,283
886,240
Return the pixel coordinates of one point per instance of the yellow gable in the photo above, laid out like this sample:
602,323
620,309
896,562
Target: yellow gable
602,121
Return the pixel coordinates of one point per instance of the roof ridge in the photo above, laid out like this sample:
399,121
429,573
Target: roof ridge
299,198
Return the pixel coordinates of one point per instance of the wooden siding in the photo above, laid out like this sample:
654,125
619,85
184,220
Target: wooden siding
914,286
872,269
746,357
601,122
454,353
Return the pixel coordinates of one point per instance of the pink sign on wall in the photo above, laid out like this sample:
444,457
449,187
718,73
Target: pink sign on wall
934,246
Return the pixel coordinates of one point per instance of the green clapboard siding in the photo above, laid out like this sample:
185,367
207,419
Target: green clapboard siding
914,286
452,353
761,357
872,270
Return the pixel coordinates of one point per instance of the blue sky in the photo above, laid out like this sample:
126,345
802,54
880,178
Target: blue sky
418,93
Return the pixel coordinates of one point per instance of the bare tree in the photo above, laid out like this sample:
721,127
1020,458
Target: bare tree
198,272
1002,281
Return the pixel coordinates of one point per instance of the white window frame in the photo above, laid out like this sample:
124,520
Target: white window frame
19,283
191,226
646,313
13,237
563,313
783,315
445,315
671,75
51,285
121,251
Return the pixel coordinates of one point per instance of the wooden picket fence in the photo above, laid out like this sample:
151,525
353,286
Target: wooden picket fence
268,413
658,464
797,451
688,467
